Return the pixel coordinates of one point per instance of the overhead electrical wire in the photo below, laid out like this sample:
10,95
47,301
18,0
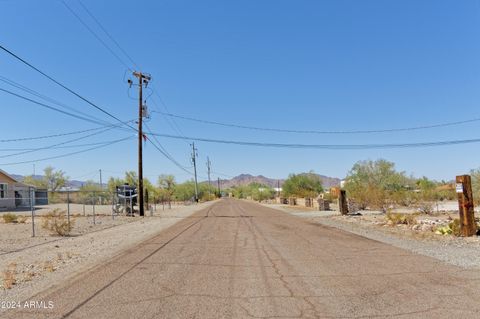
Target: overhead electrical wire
79,117
107,33
64,86
326,146
69,154
95,35
414,128
49,136
159,147
174,126
51,148
48,99
164,152
57,144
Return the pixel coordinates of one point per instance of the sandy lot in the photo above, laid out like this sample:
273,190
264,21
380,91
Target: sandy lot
36,264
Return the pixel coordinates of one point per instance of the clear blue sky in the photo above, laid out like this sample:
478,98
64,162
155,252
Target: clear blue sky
324,65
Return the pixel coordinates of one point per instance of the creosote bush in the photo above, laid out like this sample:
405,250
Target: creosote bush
57,223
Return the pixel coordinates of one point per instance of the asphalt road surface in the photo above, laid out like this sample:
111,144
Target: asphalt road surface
238,259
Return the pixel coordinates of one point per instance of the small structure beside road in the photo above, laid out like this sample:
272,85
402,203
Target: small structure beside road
13,193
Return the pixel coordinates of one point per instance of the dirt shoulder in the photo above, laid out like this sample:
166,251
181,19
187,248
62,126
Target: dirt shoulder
40,263
419,238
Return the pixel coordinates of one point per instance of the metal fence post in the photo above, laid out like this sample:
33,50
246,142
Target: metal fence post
32,209
113,204
68,206
131,203
93,202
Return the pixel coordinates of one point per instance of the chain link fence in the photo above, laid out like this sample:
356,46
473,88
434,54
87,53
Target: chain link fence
77,203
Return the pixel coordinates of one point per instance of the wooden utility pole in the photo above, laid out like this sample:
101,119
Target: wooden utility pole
468,226
218,185
142,79
194,161
342,202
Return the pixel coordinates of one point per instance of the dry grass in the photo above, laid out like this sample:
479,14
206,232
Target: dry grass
22,219
57,223
48,266
28,276
9,276
9,218
400,219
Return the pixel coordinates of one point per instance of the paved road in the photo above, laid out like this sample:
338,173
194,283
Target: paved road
240,260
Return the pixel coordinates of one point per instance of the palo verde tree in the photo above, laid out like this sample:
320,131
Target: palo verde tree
374,183
52,179
302,185
167,184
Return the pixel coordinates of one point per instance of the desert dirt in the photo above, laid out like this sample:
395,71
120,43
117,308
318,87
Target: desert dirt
31,264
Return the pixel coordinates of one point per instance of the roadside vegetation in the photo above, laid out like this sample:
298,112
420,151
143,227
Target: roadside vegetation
378,185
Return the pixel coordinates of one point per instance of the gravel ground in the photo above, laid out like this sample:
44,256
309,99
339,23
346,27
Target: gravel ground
42,262
457,251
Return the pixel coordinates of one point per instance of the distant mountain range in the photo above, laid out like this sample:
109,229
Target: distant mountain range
245,179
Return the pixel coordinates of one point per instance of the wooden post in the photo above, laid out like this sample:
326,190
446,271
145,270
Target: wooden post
468,226
342,202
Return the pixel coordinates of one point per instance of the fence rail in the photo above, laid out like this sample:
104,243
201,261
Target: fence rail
79,203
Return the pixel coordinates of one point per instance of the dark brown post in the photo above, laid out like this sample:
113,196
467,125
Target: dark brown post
342,202
468,226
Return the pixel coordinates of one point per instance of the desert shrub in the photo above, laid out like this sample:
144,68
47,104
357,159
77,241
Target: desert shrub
9,218
425,208
453,228
454,225
57,223
400,219
22,219
9,276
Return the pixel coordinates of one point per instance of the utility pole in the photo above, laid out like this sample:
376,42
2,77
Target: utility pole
209,181
142,79
101,184
468,227
194,161
218,185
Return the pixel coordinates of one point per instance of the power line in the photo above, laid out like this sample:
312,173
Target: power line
95,35
173,124
164,152
49,136
326,146
64,86
53,148
48,99
108,34
51,107
57,144
315,131
69,154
